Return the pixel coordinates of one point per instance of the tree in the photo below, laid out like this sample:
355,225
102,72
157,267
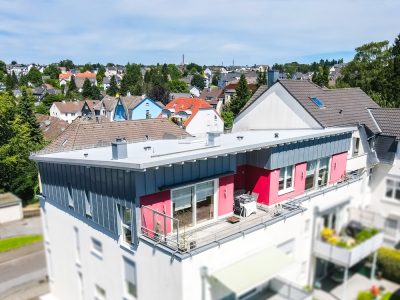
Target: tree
67,63
198,81
101,73
243,94
34,77
394,96
370,71
86,67
177,86
71,87
228,117
18,172
113,88
25,109
159,93
194,68
87,89
53,71
174,72
132,81
321,77
261,78
96,94
11,82
216,77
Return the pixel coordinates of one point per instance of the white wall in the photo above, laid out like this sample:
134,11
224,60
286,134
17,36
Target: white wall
205,120
158,277
55,112
275,109
10,213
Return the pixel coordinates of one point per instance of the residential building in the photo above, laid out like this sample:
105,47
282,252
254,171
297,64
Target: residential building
219,215
79,81
70,110
136,108
196,115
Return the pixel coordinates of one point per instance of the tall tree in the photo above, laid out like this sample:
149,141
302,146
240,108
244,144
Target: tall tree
198,81
243,94
261,78
321,77
101,72
215,78
25,109
113,88
395,70
67,63
87,89
159,93
96,95
53,71
71,87
34,76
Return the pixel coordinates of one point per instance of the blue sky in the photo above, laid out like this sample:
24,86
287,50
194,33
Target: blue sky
207,32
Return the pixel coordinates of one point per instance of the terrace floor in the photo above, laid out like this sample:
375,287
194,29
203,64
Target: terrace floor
216,231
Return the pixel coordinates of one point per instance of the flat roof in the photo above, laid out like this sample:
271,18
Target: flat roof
156,153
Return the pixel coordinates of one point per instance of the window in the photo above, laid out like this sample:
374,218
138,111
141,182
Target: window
391,227
100,293
148,115
70,199
125,215
323,171
73,114
318,102
392,189
130,278
317,173
310,174
88,203
286,178
194,204
356,146
97,247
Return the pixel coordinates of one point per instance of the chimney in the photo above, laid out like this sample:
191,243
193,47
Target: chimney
119,149
213,139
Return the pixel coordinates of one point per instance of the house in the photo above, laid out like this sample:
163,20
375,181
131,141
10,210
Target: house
79,81
110,71
39,93
161,212
106,107
17,93
70,110
64,77
136,108
173,96
194,91
227,78
86,74
214,96
196,115
10,208
230,91
51,127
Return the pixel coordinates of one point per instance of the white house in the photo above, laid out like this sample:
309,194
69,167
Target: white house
196,115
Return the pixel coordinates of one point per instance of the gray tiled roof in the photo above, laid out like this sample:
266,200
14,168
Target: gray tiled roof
388,120
85,133
342,106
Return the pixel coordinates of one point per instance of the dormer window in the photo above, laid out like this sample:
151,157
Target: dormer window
318,102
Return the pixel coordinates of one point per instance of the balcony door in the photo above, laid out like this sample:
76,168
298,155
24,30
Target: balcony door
194,204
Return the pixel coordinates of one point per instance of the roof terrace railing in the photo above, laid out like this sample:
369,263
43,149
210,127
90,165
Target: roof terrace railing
196,239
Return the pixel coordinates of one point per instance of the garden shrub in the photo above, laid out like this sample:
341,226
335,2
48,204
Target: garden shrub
389,263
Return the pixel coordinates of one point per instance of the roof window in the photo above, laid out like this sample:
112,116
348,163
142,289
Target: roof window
318,102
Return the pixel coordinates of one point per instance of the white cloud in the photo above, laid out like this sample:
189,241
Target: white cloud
253,31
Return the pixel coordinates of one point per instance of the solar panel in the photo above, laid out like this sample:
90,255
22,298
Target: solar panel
318,102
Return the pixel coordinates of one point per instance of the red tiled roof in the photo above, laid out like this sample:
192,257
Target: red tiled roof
65,75
86,74
192,104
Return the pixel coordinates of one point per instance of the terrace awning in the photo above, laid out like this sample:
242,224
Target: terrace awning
253,271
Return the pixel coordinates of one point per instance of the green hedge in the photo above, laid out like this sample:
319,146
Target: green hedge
389,263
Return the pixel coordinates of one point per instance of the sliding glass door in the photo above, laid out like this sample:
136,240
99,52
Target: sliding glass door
194,204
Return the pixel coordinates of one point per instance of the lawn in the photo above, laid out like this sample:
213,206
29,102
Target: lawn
18,241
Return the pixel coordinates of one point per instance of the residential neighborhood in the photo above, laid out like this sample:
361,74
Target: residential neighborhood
200,151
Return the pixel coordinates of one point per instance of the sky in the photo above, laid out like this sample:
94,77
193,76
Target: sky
207,32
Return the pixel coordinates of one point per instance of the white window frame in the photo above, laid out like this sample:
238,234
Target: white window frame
123,226
286,189
88,203
316,172
194,213
127,294
70,196
97,251
355,151
395,185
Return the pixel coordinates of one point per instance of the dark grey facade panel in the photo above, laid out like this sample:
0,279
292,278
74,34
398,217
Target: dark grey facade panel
386,148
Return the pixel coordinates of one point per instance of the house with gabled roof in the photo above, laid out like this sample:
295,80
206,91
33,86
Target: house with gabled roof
196,115
70,110
136,108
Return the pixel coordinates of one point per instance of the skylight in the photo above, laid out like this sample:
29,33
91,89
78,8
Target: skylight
318,102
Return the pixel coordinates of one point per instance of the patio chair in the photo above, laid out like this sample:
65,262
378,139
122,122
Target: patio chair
237,208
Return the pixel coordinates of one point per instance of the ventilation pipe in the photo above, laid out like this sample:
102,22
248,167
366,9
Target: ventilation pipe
119,149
